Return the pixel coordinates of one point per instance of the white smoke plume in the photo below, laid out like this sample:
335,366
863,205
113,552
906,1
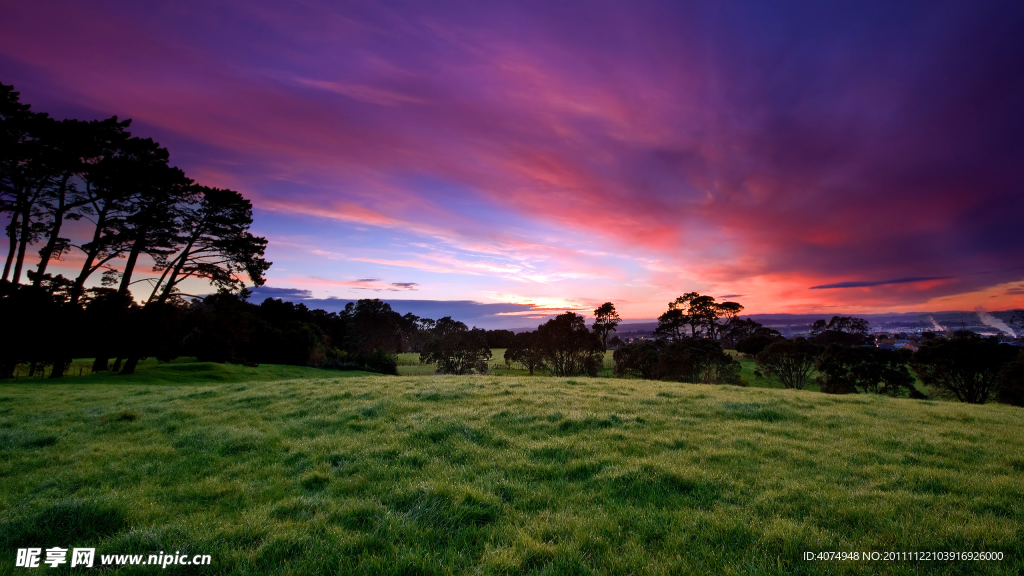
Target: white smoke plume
990,320
938,327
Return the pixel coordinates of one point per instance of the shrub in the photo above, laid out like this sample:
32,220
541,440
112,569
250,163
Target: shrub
967,368
380,361
383,362
791,361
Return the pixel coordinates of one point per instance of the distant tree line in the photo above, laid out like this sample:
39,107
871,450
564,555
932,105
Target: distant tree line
839,355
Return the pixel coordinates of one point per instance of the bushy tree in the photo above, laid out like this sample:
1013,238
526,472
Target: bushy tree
525,351
372,325
791,361
569,348
966,368
737,329
639,358
697,360
605,321
844,370
701,314
672,324
847,324
841,331
455,349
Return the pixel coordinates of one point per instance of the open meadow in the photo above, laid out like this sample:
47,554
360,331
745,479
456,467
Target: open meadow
286,470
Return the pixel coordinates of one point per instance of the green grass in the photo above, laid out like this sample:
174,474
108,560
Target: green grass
409,365
333,472
185,371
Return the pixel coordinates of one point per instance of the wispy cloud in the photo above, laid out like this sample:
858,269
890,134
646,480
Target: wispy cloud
362,93
869,283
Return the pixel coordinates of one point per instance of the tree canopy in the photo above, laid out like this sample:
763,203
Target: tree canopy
605,321
967,368
569,348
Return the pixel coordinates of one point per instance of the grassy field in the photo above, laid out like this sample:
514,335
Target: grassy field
409,365
284,470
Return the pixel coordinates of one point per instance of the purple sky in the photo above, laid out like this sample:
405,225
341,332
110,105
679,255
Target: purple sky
800,157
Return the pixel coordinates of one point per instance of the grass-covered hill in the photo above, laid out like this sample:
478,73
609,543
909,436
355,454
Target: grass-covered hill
276,470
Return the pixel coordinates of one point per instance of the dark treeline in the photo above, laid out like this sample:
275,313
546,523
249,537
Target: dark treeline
840,355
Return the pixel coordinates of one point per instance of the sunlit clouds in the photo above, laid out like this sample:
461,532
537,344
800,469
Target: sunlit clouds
560,156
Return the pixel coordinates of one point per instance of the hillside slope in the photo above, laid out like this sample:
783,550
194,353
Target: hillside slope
502,475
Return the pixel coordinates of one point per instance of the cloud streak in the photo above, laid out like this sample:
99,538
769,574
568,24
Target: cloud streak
869,283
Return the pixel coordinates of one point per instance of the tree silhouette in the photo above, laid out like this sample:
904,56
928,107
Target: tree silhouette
23,176
966,368
569,348
700,313
697,360
872,370
639,358
524,350
152,191
215,244
454,348
737,330
672,324
605,321
791,361
74,149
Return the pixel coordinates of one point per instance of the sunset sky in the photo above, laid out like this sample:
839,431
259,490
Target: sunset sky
795,157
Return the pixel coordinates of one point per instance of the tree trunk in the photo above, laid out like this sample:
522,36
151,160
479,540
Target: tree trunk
174,274
12,238
117,365
158,283
26,227
90,255
58,369
129,365
58,220
129,266
101,364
